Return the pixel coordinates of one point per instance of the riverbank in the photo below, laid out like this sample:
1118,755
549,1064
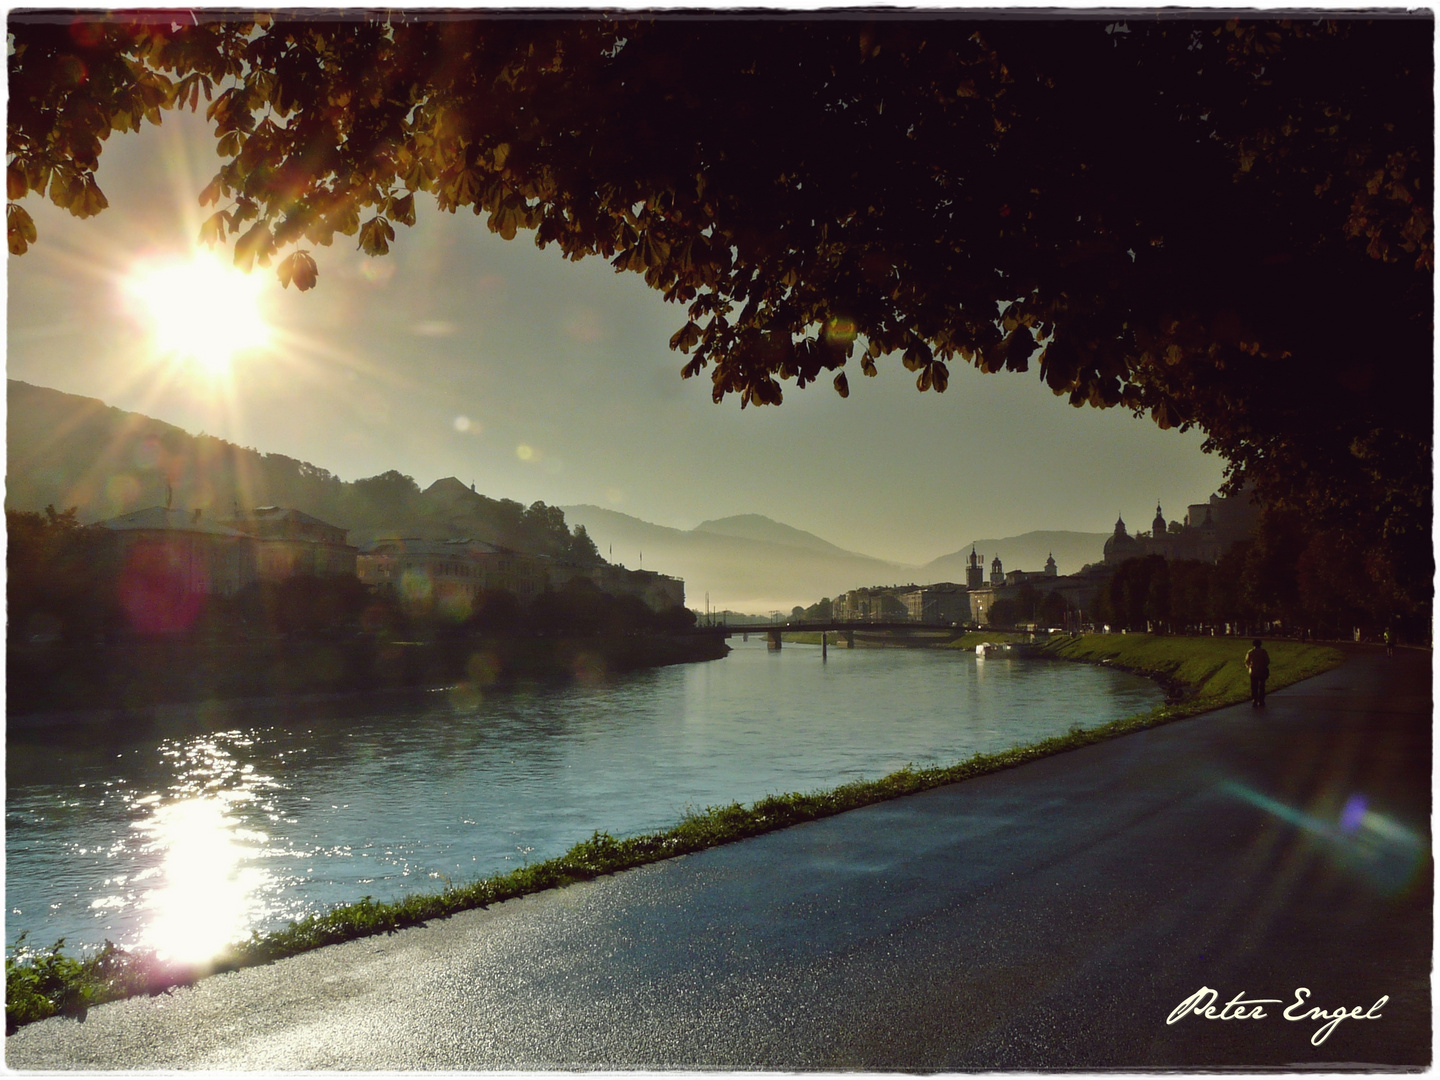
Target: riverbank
53,679
1202,673
45,982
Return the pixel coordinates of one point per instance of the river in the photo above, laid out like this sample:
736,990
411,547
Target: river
188,827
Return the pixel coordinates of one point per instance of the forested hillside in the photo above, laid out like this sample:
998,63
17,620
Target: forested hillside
69,451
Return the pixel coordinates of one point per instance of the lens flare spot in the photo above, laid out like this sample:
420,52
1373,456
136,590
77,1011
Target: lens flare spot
1353,816
840,330
377,271
525,452
415,585
121,492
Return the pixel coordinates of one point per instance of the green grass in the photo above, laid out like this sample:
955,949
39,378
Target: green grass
46,982
1211,669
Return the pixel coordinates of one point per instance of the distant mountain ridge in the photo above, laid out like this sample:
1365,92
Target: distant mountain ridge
752,563
747,562
761,528
1028,551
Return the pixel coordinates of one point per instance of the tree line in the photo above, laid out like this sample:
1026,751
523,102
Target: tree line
1286,575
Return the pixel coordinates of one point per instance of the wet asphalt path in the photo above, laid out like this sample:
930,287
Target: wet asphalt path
1051,916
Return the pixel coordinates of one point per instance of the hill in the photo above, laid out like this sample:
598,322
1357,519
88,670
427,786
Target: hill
761,528
68,450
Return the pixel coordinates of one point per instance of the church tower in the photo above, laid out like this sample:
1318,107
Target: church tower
997,573
1157,527
1050,569
975,571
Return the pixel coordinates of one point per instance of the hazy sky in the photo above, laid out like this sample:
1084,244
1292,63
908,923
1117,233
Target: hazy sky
537,378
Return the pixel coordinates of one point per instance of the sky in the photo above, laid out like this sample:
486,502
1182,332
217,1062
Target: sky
535,378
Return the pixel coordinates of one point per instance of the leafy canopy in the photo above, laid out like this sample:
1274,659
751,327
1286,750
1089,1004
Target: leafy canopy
1215,222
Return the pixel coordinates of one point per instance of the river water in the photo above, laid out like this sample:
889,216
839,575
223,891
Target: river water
187,828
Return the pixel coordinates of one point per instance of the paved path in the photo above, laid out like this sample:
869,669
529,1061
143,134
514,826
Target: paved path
1051,916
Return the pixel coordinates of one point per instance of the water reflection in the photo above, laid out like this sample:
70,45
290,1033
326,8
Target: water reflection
185,829
209,893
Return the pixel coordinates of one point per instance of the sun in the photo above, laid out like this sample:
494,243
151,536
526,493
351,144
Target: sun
200,310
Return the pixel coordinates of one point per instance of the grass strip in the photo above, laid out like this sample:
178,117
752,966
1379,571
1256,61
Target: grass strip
47,982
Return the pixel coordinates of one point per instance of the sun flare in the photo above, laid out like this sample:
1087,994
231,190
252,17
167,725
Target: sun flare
200,311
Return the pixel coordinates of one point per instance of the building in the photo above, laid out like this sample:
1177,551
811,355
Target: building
975,571
450,570
192,554
1207,533
291,543
944,602
875,604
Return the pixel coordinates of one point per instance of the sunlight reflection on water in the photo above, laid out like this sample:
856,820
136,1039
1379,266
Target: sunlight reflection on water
186,831
208,896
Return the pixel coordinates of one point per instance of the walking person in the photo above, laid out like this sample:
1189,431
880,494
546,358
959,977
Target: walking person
1389,642
1257,662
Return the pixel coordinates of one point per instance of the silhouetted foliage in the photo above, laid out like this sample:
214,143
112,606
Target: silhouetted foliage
1315,582
1053,610
820,611
497,611
581,548
304,605
1004,614
61,579
390,493
580,607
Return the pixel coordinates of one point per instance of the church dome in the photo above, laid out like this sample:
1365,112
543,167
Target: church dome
1120,547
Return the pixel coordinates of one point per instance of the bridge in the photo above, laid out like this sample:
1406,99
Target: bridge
843,627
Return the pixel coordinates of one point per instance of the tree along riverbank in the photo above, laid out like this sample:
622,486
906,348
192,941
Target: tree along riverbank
47,679
41,983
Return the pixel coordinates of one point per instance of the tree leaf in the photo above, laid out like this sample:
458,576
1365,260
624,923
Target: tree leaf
375,236
403,210
685,338
212,229
257,243
299,268
19,229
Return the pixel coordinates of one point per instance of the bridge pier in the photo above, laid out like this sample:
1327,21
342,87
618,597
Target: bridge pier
849,639
824,645
772,640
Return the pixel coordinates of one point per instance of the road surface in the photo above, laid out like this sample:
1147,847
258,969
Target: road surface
1050,916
